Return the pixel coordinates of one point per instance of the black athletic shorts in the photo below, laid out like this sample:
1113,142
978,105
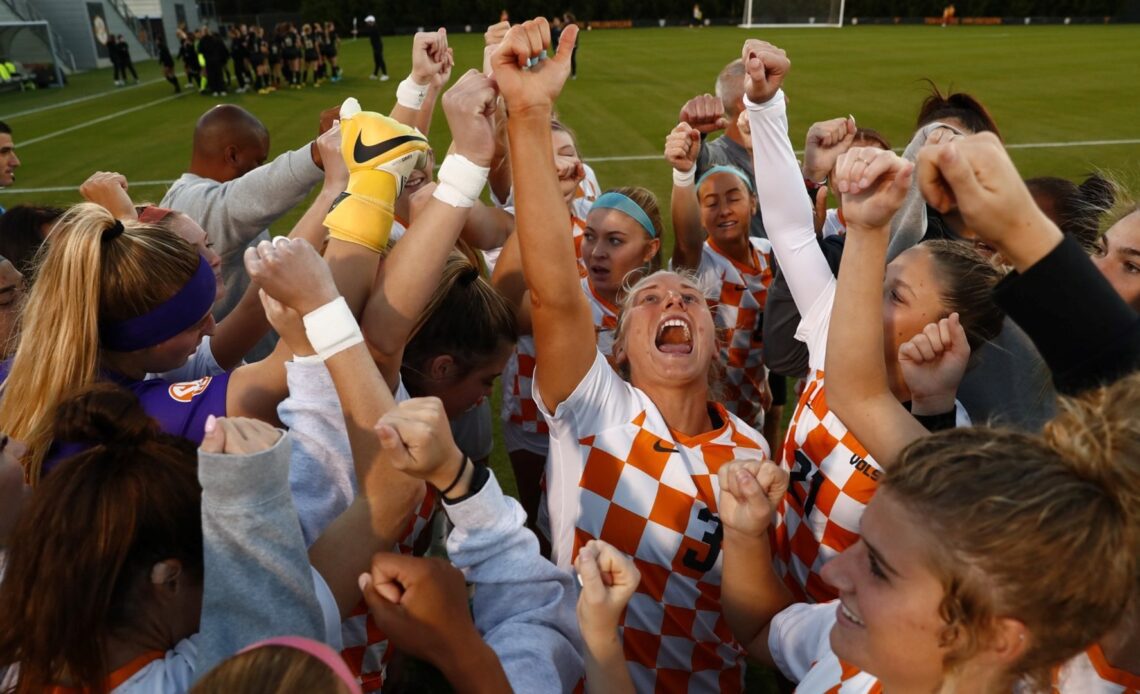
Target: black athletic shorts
779,386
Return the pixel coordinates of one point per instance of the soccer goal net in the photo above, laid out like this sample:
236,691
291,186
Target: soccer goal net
793,13
27,55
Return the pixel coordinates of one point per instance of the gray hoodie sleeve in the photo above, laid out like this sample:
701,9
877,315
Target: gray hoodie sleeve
322,475
908,226
236,211
258,582
524,606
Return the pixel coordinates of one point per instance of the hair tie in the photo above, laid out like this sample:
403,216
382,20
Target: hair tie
468,276
114,231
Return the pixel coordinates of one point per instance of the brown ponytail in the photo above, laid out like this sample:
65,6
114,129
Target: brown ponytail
85,543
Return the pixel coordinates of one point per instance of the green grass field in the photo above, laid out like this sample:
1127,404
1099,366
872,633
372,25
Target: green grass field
1048,88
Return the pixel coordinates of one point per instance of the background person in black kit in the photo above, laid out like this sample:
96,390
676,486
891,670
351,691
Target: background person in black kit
167,62
372,31
188,54
215,53
330,49
125,62
240,53
113,54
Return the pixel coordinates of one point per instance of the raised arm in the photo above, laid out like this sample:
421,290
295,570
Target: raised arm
751,593
873,183
609,579
508,279
411,272
415,97
243,327
252,545
682,146
329,332
786,210
563,327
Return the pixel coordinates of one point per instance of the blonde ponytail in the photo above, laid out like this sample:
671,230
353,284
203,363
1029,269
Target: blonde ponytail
89,271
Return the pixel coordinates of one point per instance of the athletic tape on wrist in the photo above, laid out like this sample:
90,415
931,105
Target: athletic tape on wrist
684,179
332,328
461,181
411,94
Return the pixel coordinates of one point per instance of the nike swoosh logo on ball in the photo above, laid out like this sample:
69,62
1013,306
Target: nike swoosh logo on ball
362,152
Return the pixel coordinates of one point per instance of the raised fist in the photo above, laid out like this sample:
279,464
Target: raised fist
975,175
765,67
682,146
826,140
470,109
933,363
526,79
705,113
874,182
749,494
291,271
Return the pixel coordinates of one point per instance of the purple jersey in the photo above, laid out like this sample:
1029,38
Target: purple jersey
179,408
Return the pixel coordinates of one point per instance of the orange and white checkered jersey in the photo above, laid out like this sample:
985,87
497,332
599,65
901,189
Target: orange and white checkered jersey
518,407
800,644
832,476
617,472
605,317
737,293
365,646
1091,673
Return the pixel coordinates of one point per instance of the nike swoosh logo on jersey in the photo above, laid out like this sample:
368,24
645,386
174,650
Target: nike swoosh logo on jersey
660,447
362,152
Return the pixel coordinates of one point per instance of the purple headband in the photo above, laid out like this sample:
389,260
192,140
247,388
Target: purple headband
166,320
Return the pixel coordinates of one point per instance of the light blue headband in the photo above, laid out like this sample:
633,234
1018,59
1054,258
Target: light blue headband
614,200
735,171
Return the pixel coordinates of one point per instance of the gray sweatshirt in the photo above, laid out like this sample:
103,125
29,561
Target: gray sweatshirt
523,605
238,212
258,582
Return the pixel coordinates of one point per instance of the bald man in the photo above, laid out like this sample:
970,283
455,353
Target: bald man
234,195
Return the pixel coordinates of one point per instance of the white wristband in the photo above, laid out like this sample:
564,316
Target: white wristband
684,179
332,328
461,181
411,94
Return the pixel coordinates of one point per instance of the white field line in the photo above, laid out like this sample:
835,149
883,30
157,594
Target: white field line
80,100
639,157
24,143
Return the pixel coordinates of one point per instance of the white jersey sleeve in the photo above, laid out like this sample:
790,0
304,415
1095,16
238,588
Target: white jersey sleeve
799,636
600,399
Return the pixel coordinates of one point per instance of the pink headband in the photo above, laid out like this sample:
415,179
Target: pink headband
316,649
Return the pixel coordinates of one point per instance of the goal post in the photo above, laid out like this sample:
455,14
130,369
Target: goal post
792,13
29,48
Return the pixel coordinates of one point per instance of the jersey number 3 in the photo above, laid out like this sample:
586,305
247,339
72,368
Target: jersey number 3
712,538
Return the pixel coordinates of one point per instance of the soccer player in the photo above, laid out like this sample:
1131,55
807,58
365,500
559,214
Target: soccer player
710,221
833,472
630,463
